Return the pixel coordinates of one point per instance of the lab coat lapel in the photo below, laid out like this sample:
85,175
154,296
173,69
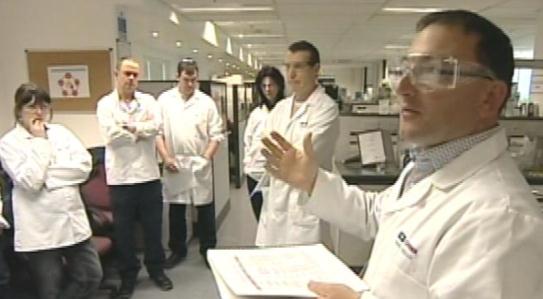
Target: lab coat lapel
302,115
450,175
190,102
398,201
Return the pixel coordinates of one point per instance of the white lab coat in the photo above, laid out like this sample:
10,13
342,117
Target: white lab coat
470,230
253,160
130,158
46,173
282,221
189,127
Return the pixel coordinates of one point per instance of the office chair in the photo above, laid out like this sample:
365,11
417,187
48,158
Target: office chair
96,197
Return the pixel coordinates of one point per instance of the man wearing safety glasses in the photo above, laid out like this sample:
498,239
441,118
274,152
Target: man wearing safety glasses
460,221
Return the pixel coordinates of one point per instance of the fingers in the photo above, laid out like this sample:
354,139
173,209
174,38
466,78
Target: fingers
270,158
273,149
318,288
283,143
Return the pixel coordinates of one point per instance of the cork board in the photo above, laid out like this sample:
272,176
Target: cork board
95,65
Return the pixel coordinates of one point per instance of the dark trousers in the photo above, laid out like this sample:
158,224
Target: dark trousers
4,270
256,199
138,203
205,228
78,264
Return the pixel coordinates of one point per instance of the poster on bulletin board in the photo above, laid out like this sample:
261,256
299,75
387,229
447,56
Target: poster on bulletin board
76,79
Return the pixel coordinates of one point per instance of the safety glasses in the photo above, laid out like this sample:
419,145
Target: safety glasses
429,73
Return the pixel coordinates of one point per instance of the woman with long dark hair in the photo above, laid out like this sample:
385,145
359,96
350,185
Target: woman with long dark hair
270,85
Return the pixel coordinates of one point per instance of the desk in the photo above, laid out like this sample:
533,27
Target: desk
354,174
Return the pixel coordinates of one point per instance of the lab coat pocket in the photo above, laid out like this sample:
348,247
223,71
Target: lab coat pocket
404,273
398,281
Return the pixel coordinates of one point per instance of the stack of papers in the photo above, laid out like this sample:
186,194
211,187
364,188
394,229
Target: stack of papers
278,272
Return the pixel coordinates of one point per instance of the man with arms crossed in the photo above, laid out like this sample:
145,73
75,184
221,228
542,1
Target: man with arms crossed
129,122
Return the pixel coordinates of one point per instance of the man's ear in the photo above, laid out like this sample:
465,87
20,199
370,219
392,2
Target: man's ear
494,99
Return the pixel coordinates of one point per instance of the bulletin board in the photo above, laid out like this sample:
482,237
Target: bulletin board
76,80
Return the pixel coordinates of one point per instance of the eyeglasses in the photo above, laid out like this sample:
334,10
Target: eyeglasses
429,73
44,107
296,66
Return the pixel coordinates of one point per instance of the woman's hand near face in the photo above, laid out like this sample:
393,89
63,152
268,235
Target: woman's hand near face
37,128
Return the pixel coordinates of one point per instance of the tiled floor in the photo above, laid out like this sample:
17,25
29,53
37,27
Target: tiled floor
192,279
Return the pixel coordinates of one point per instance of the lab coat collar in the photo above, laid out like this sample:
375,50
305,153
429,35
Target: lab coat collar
115,93
453,173
190,101
21,131
470,161
312,100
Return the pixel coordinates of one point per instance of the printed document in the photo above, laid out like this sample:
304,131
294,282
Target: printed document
280,271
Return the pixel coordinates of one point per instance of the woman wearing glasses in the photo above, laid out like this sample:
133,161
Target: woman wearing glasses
270,85
47,163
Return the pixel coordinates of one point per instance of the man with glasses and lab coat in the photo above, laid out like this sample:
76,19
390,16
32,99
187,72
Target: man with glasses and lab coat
129,122
192,132
460,222
308,110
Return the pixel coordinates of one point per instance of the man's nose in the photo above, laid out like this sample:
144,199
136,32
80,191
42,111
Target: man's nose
291,73
405,85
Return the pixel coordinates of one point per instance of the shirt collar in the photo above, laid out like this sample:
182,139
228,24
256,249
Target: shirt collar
436,157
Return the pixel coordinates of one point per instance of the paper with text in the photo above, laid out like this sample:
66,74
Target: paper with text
283,271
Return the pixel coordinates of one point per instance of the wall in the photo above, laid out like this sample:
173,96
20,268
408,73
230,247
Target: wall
538,54
352,77
53,24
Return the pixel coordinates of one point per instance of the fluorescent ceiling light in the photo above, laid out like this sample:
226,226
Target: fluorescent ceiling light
210,34
396,47
194,51
241,54
154,34
178,44
412,9
258,35
173,18
226,9
244,23
229,46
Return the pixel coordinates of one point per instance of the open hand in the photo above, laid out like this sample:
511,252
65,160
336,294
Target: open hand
293,166
332,291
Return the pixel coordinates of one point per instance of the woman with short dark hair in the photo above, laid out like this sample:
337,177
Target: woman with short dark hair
46,163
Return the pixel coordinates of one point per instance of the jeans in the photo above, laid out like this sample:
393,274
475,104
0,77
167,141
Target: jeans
81,264
205,227
256,199
138,203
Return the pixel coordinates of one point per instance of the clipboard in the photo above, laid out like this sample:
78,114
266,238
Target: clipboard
375,147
